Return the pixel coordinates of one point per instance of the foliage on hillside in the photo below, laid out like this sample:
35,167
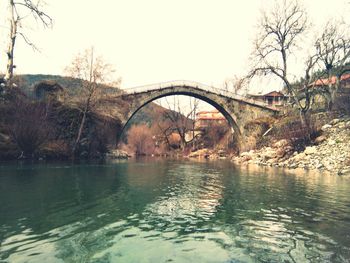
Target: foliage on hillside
47,128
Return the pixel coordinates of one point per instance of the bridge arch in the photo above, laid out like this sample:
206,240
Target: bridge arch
237,110
231,119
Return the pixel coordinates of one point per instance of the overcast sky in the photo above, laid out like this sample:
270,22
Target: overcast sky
150,41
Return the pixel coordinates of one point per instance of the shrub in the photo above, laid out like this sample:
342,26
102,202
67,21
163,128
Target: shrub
291,129
255,130
140,140
29,127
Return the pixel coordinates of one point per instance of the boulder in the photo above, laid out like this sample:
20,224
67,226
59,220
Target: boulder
331,142
244,154
335,121
117,154
246,158
326,127
280,152
310,150
320,139
299,157
319,166
268,153
281,143
341,125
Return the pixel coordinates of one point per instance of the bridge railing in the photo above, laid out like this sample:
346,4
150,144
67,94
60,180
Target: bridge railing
197,85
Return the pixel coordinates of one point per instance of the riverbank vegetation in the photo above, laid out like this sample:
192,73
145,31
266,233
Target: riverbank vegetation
48,128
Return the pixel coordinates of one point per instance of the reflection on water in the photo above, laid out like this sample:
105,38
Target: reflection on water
171,211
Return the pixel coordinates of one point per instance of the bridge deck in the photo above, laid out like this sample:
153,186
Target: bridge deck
196,85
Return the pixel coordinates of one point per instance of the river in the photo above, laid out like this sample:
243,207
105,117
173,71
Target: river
171,211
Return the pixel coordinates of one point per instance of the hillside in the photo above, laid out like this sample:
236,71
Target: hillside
147,114
27,83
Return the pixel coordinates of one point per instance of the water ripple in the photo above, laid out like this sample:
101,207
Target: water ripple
172,212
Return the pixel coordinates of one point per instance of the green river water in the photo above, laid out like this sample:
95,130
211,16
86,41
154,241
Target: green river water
171,211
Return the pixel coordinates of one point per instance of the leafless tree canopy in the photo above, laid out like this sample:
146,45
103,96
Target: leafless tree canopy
21,10
333,47
280,36
333,55
93,72
180,121
236,84
280,32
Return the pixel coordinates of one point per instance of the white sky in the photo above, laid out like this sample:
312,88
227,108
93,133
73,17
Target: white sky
155,40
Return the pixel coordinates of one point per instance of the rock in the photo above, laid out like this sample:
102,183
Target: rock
222,153
243,154
310,150
280,153
246,158
326,127
117,154
320,139
345,171
293,166
299,157
272,161
341,125
335,121
281,143
319,166
268,153
331,142
301,165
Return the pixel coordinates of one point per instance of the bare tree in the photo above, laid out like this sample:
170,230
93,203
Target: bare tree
333,53
140,139
93,72
19,11
281,33
236,84
180,121
281,29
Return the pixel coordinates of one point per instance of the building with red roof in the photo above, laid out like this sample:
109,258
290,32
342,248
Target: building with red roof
273,98
344,81
205,119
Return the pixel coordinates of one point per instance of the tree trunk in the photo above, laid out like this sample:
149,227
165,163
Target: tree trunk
333,93
81,128
11,46
305,123
303,120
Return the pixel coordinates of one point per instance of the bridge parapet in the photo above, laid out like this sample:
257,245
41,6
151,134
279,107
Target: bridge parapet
195,85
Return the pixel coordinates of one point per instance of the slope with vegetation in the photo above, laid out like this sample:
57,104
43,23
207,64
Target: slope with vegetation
46,128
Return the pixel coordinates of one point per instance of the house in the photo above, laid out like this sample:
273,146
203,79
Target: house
273,98
206,119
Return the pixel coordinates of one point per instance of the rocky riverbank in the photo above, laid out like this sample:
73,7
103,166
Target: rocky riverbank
208,154
329,152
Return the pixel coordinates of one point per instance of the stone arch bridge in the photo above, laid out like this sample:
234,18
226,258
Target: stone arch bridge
238,110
